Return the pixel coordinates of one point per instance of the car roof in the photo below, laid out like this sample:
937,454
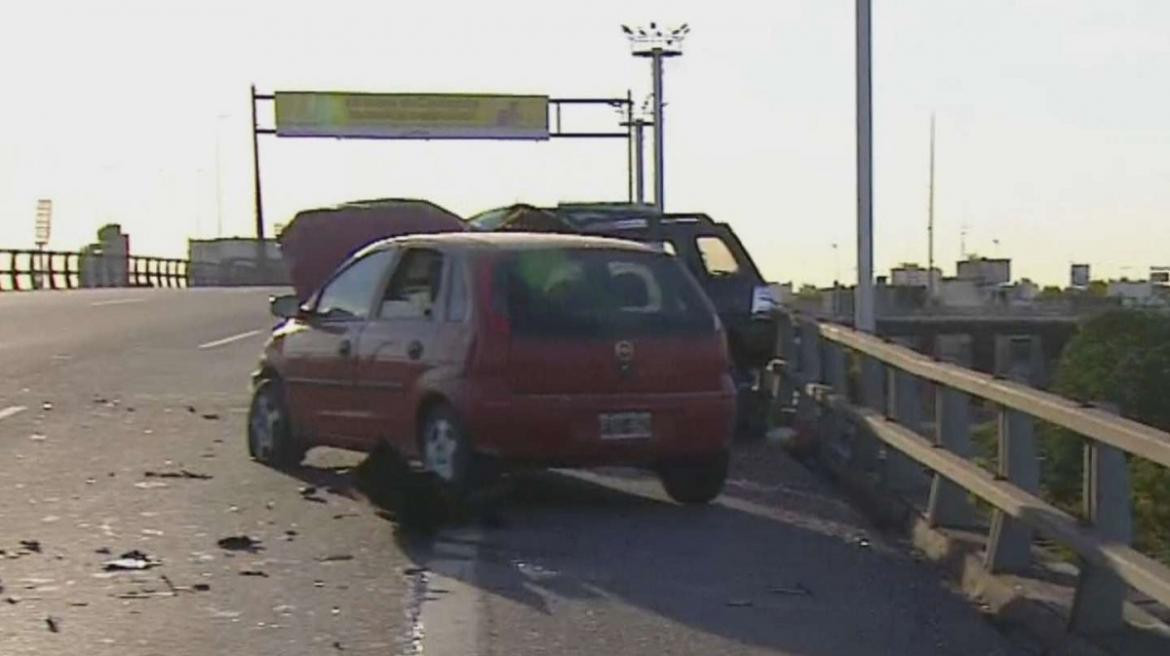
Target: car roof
511,241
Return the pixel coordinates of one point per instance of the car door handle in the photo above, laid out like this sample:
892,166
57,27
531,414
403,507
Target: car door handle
344,348
415,350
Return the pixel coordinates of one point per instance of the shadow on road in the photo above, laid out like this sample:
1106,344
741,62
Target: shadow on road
556,543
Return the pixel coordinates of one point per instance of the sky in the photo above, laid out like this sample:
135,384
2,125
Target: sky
1053,143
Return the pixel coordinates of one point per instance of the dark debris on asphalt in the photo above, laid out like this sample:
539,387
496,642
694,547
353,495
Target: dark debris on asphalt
240,543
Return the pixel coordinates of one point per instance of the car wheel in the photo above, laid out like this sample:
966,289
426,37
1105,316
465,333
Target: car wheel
270,437
695,481
446,451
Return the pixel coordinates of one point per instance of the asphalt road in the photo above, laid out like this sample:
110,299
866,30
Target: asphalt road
121,429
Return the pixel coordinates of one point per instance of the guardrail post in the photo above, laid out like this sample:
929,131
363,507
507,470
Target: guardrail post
949,505
872,396
902,472
810,372
786,338
1009,547
1100,595
835,377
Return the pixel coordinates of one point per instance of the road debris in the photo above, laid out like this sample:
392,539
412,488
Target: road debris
254,572
739,603
182,473
102,550
31,545
53,623
130,561
191,409
798,590
861,541
335,558
150,485
210,415
37,437
309,493
239,543
47,406
200,587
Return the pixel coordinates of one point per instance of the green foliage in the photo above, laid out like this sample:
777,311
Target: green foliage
1050,293
1097,288
1123,358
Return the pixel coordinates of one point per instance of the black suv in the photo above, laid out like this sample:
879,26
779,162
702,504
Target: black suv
709,249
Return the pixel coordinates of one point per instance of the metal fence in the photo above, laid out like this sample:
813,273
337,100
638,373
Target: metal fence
24,270
882,410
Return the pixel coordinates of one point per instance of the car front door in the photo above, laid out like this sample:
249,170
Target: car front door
398,346
321,356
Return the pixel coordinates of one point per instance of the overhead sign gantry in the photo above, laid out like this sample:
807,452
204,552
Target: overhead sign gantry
354,115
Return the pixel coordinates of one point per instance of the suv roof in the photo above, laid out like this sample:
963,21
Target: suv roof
511,241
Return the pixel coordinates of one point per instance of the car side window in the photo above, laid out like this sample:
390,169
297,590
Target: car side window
350,293
718,259
414,287
457,299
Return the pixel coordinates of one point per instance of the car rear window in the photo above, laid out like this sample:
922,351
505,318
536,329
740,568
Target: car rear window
600,293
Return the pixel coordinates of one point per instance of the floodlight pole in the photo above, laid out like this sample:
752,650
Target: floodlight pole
863,302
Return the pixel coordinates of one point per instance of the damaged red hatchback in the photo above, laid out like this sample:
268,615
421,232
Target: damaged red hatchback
547,350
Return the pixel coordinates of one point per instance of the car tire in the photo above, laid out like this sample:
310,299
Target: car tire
447,453
696,480
270,435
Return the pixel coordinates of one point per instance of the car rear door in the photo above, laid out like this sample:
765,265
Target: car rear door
400,345
320,358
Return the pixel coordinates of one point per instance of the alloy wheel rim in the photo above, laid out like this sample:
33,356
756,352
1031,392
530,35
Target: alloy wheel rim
440,447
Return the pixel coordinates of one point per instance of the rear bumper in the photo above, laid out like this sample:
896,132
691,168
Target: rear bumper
564,430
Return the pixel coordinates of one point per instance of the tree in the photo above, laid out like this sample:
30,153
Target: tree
1121,357
1050,293
1097,288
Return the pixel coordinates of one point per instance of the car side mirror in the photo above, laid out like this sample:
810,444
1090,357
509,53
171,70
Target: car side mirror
286,306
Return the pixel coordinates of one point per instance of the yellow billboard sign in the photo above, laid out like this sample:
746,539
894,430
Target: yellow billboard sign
410,115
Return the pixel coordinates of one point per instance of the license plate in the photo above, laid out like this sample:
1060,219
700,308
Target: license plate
625,425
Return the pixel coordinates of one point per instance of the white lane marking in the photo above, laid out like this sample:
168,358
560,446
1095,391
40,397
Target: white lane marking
13,410
117,301
229,340
448,623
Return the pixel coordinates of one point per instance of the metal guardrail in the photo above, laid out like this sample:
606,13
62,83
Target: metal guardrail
875,424
24,270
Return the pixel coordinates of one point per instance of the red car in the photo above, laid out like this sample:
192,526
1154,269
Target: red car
526,349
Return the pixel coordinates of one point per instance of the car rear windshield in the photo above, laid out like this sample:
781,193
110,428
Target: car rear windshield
600,293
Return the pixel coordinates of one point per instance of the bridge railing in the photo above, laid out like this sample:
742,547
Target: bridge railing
24,270
905,419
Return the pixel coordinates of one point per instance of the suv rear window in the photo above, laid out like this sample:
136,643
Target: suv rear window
600,293
717,257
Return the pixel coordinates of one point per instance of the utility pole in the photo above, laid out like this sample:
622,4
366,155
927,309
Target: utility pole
256,170
930,223
863,305
639,161
219,175
637,124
